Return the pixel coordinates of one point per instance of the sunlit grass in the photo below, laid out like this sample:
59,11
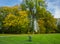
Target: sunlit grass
36,39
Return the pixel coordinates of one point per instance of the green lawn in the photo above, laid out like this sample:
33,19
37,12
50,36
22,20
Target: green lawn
36,39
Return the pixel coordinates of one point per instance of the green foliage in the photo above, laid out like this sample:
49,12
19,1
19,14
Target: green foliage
17,24
37,10
42,26
20,19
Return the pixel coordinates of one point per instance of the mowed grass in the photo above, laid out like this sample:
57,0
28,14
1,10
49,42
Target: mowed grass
36,39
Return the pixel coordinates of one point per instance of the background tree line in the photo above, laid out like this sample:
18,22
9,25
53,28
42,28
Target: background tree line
20,18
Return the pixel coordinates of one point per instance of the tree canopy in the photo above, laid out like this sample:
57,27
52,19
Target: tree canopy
22,18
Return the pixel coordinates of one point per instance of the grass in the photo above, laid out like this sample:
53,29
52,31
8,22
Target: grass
36,39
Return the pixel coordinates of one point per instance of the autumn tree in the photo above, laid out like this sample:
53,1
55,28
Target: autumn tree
37,10
31,16
16,24
32,7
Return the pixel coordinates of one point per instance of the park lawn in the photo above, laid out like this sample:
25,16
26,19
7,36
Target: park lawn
36,39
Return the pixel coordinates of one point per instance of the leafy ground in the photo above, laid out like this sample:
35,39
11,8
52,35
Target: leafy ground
36,39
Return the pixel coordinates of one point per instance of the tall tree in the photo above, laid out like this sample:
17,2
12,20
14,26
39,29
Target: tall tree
37,11
33,7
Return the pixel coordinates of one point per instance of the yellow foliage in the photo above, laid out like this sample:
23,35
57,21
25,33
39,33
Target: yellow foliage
23,13
9,20
41,22
12,20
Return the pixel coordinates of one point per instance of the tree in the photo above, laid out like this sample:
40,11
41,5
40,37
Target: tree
42,26
23,21
9,23
37,10
31,16
33,7
48,23
16,24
